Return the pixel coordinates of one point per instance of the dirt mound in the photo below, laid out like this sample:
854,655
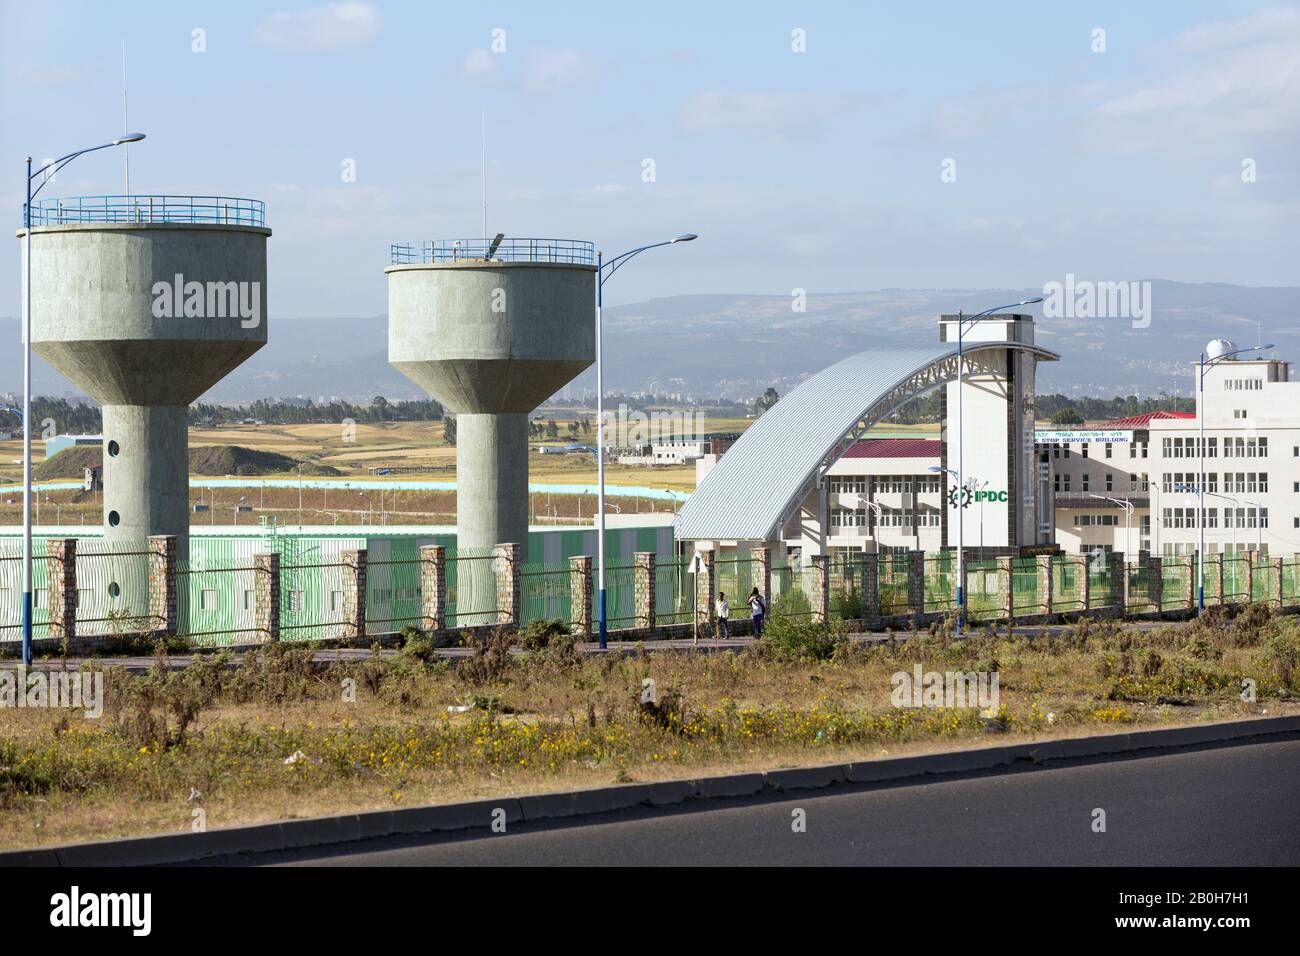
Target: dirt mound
220,460
216,460
69,463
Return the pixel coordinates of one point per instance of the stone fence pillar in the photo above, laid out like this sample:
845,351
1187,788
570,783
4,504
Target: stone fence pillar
705,590
761,566
821,597
916,584
1156,582
433,587
644,588
355,566
1043,569
870,586
162,583
508,565
580,593
62,578
266,595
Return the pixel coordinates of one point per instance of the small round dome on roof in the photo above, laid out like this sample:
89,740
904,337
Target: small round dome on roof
1217,348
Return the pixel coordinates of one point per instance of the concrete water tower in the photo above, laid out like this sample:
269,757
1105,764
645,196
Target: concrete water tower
491,330
146,302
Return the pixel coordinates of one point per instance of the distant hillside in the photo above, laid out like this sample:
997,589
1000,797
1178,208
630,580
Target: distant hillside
216,460
735,345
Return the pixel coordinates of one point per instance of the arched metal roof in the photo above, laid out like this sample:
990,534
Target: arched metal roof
758,483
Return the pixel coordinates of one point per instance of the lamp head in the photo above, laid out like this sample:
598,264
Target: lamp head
684,237
128,138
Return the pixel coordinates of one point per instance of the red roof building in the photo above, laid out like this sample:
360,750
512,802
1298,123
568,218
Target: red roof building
895,448
1144,421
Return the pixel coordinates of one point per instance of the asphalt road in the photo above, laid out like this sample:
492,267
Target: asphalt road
1214,806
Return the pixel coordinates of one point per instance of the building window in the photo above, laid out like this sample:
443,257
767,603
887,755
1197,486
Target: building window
1085,481
207,600
1109,449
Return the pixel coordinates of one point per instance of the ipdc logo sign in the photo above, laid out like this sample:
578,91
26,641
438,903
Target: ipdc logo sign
966,496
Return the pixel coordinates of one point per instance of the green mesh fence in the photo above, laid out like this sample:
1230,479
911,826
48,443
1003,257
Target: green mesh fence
393,598
216,602
674,593
113,588
11,590
791,590
471,587
985,583
620,595
546,592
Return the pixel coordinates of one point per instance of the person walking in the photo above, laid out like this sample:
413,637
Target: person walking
724,616
758,607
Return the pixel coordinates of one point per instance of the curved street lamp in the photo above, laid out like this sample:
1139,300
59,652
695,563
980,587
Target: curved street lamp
613,265
52,167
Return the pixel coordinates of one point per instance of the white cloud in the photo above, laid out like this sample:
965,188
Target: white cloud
334,26
546,70
1225,80
478,63
766,115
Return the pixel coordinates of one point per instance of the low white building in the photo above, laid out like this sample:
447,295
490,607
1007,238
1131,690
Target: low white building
1137,492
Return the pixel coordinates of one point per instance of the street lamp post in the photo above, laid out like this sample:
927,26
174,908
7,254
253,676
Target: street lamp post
1200,508
52,168
613,266
962,322
1128,507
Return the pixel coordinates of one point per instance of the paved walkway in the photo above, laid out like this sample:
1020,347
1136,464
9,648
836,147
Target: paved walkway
589,648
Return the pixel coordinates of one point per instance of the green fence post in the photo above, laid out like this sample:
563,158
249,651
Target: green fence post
1218,577
1280,580
1250,577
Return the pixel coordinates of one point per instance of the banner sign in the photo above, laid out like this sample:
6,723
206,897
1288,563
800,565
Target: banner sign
1082,436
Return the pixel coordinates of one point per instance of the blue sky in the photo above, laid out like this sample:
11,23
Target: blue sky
818,170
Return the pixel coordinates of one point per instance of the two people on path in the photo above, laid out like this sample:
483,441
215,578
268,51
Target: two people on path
757,608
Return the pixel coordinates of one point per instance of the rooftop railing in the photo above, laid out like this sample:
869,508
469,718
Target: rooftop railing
567,251
219,210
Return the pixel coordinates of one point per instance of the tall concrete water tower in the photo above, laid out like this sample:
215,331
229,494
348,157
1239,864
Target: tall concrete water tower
146,302
491,330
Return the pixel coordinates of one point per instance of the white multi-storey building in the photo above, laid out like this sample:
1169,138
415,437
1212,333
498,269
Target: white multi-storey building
1134,487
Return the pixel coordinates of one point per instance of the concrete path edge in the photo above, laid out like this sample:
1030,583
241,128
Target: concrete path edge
483,814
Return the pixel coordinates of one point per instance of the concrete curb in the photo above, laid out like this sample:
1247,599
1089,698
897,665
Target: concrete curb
481,814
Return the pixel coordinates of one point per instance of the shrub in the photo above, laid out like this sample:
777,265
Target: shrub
539,635
788,639
491,662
